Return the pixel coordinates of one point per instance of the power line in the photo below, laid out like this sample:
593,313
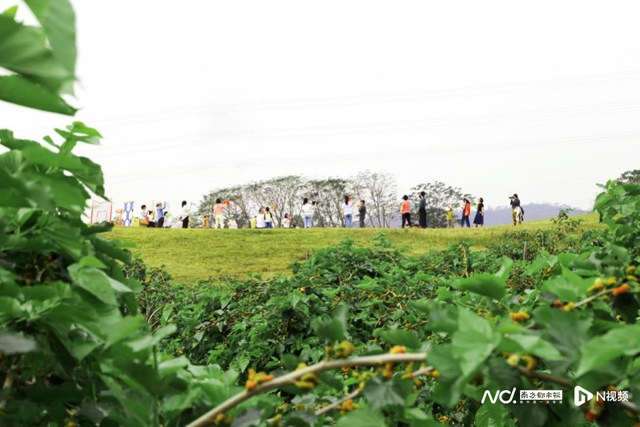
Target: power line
377,128
390,155
546,84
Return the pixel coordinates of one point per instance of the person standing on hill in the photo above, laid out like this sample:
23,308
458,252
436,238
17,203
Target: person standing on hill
307,213
479,219
515,203
185,211
449,215
218,213
268,218
422,210
347,212
362,210
160,207
405,211
260,219
466,213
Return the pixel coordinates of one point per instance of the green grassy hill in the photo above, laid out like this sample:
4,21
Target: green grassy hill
195,254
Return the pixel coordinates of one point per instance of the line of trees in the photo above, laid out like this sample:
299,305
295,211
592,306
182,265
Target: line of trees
286,193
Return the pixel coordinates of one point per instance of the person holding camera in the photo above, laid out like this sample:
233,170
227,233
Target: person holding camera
307,213
185,212
516,210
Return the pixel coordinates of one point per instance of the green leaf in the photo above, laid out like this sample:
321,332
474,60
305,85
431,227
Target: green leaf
23,50
90,261
482,284
484,417
381,392
449,388
11,11
96,282
362,418
530,344
11,343
123,328
19,90
173,406
333,329
562,288
622,341
58,21
441,317
248,418
83,169
301,419
10,308
489,285
474,341
173,365
401,337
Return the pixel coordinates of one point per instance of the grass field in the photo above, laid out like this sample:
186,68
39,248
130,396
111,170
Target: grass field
195,254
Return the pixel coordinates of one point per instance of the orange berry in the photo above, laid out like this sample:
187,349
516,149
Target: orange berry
398,349
620,289
591,416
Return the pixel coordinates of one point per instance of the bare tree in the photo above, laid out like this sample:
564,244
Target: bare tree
283,193
379,190
440,197
329,194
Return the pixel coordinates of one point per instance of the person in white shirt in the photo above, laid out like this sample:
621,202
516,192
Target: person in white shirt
144,212
307,213
286,222
233,225
185,211
260,219
347,211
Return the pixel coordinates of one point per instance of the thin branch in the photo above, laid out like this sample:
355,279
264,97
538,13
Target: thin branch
338,403
292,377
591,298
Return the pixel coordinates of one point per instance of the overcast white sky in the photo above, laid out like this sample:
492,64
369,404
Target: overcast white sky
536,97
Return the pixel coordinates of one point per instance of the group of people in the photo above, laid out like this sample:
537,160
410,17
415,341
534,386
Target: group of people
265,216
478,221
159,217
264,219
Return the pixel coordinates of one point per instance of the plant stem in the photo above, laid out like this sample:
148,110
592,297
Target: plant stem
358,392
591,298
292,377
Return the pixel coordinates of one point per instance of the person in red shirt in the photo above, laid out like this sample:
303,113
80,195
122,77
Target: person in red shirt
466,213
405,211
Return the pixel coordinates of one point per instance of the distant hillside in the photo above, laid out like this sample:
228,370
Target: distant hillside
501,215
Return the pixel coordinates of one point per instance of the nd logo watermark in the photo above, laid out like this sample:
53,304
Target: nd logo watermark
524,396
502,395
581,396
